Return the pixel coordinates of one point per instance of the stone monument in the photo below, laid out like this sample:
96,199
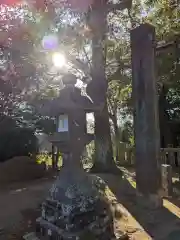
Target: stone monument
146,117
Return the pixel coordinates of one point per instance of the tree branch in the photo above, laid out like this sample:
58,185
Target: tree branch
87,58
79,64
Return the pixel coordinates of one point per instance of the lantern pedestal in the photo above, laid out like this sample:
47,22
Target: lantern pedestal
75,208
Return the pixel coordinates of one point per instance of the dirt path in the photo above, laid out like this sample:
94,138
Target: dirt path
140,224
19,198
147,224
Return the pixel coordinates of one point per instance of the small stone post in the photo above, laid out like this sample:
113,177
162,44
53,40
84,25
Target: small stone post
147,137
167,180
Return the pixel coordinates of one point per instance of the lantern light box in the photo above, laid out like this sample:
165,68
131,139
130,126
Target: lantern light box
63,123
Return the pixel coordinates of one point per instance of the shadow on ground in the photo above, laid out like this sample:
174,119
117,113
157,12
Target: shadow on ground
160,224
157,224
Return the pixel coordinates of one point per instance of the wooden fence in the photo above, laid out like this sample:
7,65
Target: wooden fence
167,156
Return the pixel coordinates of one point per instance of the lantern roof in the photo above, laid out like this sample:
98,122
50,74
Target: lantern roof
69,99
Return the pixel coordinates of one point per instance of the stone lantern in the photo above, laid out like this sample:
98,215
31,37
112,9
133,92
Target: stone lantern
69,110
75,207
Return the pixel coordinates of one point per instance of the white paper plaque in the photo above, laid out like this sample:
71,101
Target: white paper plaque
63,123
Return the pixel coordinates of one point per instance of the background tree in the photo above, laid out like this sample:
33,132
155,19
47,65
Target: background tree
28,76
165,17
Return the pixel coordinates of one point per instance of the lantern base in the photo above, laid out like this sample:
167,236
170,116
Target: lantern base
76,209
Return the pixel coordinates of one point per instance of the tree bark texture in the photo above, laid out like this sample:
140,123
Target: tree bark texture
97,89
103,147
117,137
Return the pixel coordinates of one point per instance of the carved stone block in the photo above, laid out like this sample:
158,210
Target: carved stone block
76,209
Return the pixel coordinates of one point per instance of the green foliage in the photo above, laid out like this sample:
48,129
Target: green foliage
17,142
165,17
35,78
46,158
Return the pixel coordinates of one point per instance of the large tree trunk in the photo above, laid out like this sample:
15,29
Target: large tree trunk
116,137
97,89
103,160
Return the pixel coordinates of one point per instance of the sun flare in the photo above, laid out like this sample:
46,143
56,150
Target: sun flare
58,60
